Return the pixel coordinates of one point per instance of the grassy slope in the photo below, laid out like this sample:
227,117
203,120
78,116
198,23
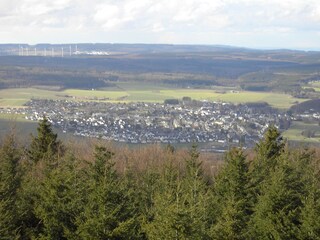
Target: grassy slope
24,128
294,132
19,96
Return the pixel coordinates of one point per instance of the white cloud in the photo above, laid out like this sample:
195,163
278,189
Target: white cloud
315,15
111,16
158,27
41,7
167,20
105,13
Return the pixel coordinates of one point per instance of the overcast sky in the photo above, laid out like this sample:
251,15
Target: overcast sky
249,23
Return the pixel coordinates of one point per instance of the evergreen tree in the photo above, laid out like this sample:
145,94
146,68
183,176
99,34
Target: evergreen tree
31,225
310,210
106,212
10,179
166,212
45,145
231,198
196,195
310,214
44,152
268,151
60,200
277,212
271,146
179,203
136,204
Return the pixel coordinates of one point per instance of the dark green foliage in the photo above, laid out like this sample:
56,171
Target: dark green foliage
60,200
310,214
43,155
310,211
267,151
107,212
165,211
270,147
57,196
276,214
179,203
231,198
196,194
286,207
45,145
10,179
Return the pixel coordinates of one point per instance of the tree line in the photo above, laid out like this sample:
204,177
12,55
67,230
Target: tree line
49,192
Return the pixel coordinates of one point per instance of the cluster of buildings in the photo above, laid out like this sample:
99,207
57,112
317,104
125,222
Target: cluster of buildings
215,125
221,124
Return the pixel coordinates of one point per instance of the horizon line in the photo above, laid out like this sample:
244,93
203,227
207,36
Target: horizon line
266,48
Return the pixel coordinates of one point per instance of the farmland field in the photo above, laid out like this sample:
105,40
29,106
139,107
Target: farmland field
19,96
294,133
315,85
317,89
13,117
24,128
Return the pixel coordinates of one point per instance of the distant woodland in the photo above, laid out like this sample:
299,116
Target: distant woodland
61,190
173,65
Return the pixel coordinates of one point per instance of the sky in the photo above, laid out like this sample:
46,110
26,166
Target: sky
267,24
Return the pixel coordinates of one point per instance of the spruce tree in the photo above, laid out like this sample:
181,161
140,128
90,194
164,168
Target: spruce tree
310,214
179,203
136,205
196,194
164,215
231,198
277,211
268,151
60,200
45,145
43,154
106,212
10,179
307,165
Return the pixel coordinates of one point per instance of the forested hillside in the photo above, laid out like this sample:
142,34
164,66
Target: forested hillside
89,66
55,190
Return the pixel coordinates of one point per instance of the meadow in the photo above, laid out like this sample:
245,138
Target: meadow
294,133
17,97
315,85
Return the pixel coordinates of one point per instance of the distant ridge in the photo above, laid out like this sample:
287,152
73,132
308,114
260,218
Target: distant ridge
143,47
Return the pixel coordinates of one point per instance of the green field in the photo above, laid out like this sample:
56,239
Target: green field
89,94
317,89
18,96
24,128
13,117
294,133
315,86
